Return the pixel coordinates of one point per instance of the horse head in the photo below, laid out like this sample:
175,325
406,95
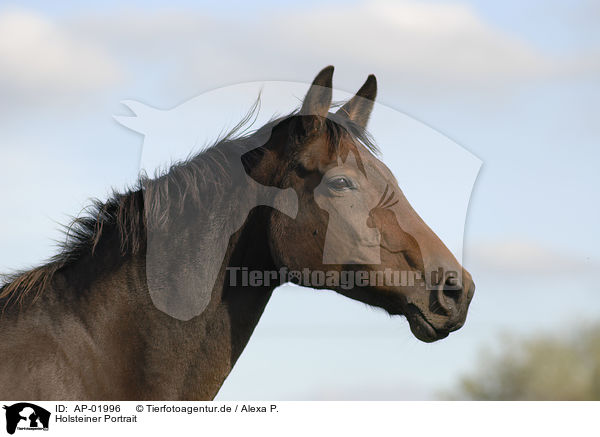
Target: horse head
353,217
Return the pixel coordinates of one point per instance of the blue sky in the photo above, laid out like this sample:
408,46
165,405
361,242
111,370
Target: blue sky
516,84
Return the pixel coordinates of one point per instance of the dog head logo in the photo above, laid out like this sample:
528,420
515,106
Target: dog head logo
340,202
25,416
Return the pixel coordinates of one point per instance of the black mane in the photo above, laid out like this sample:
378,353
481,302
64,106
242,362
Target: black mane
123,217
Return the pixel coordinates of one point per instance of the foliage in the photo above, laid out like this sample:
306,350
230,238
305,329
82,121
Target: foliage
547,367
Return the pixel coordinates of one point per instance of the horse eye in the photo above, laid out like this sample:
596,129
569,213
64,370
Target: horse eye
340,183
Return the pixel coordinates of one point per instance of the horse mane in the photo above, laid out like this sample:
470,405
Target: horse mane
126,215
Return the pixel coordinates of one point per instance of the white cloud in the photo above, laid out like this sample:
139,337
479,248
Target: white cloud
520,257
443,43
40,57
428,47
447,41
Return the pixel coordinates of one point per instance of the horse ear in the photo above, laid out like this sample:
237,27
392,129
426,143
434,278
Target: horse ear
358,108
317,101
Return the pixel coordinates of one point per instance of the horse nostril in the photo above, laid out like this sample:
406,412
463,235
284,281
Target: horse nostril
451,282
449,296
453,294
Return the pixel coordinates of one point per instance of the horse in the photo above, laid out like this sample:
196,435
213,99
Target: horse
144,300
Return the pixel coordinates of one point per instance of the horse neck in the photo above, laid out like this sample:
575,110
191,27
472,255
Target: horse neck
151,354
232,315
192,359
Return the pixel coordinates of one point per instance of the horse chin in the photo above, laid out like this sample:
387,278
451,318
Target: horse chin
419,324
422,328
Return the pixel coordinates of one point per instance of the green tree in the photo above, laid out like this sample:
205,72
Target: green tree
541,367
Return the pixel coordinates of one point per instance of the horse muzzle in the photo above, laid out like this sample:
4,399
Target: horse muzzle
443,311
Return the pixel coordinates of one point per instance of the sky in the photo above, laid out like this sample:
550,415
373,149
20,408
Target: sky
515,85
